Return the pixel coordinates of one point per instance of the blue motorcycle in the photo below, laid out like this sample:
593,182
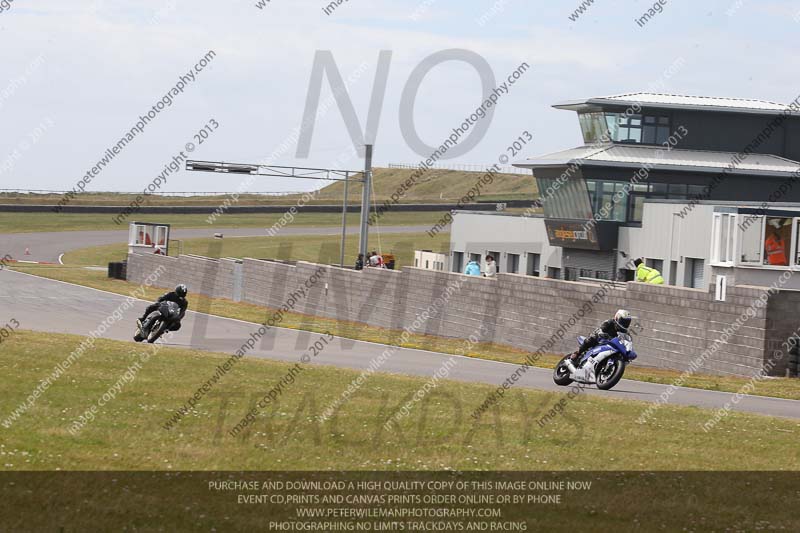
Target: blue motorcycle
603,365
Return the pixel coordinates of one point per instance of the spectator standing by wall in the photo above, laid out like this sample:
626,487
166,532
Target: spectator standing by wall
473,268
491,267
360,262
646,274
375,260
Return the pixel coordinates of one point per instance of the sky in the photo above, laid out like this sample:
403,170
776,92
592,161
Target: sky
76,76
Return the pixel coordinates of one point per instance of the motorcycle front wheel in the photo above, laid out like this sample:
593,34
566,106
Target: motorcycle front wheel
609,372
561,373
156,331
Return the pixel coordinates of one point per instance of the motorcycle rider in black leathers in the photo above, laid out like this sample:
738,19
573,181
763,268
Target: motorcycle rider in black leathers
179,297
607,330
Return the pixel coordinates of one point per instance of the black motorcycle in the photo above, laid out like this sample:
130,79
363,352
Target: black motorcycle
158,322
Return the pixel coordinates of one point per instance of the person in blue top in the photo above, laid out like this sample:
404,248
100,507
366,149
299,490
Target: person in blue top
473,268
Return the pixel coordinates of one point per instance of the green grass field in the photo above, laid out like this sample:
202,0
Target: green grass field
127,432
36,222
439,186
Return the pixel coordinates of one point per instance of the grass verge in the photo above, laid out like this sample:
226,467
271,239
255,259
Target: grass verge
36,222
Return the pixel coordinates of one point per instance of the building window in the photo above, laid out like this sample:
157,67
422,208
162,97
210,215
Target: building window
677,191
553,272
612,200
532,268
751,229
694,273
723,233
571,273
628,128
658,264
624,202
797,243
513,264
593,127
777,239
698,192
636,207
568,199
655,130
458,261
754,240
496,257
604,274
624,128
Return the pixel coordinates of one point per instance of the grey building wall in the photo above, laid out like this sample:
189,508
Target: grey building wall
489,231
677,325
727,132
782,322
665,235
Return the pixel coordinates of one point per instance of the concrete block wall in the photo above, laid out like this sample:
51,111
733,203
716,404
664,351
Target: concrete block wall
783,321
678,324
200,274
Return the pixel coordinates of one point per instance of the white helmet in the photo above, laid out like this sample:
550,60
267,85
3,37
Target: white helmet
623,320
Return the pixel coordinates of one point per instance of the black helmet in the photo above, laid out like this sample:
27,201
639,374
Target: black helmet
181,290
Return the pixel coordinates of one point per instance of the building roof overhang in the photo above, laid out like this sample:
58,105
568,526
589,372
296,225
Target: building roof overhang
675,101
659,158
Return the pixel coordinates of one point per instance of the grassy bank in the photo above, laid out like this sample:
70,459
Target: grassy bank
36,222
128,432
439,186
432,187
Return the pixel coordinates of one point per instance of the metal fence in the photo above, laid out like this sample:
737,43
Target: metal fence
504,169
9,192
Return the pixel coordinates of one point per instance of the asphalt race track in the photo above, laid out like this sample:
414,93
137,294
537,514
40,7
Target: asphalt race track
46,247
50,306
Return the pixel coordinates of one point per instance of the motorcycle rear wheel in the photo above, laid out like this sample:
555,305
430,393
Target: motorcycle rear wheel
561,373
606,378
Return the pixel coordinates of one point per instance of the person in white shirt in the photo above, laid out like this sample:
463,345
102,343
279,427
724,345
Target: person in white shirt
491,267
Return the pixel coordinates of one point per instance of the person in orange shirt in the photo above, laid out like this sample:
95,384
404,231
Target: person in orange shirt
775,247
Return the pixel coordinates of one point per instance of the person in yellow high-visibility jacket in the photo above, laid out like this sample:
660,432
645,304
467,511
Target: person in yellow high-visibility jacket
645,274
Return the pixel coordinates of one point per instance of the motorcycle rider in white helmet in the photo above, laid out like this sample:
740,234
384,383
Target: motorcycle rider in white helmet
607,330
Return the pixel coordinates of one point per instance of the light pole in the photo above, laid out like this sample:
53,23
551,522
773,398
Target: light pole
365,201
309,174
